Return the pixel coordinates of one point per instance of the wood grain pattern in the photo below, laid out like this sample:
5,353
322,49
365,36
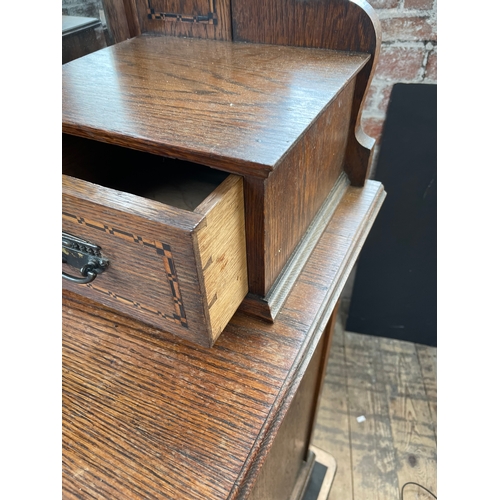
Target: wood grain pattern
306,175
383,380
321,372
280,471
276,115
173,182
287,467
221,249
373,455
413,432
332,429
138,280
189,18
234,106
131,14
149,415
340,25
427,357
152,416
281,287
163,260
117,19
192,18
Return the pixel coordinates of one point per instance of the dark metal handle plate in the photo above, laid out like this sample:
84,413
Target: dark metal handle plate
84,256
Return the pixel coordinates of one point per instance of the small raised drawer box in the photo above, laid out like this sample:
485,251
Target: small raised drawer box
172,234
277,122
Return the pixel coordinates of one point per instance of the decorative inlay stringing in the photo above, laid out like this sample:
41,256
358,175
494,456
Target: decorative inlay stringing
209,18
162,249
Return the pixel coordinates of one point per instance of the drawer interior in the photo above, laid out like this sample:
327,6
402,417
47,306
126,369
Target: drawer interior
177,183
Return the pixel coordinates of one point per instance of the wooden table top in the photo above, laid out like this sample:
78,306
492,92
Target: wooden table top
235,106
146,415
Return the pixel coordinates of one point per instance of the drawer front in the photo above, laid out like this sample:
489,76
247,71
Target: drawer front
179,271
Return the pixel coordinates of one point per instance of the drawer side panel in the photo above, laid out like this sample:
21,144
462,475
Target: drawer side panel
221,250
297,189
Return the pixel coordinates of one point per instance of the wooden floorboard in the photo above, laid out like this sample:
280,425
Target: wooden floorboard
377,417
428,362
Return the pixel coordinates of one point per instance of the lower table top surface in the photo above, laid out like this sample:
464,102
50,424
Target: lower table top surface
146,415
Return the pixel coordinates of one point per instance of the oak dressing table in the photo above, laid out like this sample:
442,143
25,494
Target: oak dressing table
162,396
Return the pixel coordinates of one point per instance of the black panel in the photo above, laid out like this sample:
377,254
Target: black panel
315,482
395,288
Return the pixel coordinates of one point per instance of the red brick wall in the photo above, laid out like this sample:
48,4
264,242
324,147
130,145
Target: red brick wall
408,54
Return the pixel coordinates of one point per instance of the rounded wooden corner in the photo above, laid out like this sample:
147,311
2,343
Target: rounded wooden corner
360,145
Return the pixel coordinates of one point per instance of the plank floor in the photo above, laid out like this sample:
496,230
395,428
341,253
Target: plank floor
377,417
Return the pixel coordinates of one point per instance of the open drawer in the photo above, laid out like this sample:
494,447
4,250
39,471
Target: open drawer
172,233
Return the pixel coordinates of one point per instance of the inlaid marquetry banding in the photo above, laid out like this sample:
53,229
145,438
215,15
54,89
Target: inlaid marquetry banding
133,303
209,18
162,249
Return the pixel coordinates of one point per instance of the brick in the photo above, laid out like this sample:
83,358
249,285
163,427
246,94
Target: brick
372,98
419,4
384,4
372,126
385,95
400,63
409,29
431,67
378,97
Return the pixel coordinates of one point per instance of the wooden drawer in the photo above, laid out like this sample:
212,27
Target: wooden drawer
173,232
288,129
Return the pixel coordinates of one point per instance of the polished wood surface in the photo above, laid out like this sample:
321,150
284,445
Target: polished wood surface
147,414
347,25
340,25
234,106
152,416
287,468
307,174
249,109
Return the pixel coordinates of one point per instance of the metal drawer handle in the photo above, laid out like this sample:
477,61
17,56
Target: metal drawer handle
84,256
87,276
